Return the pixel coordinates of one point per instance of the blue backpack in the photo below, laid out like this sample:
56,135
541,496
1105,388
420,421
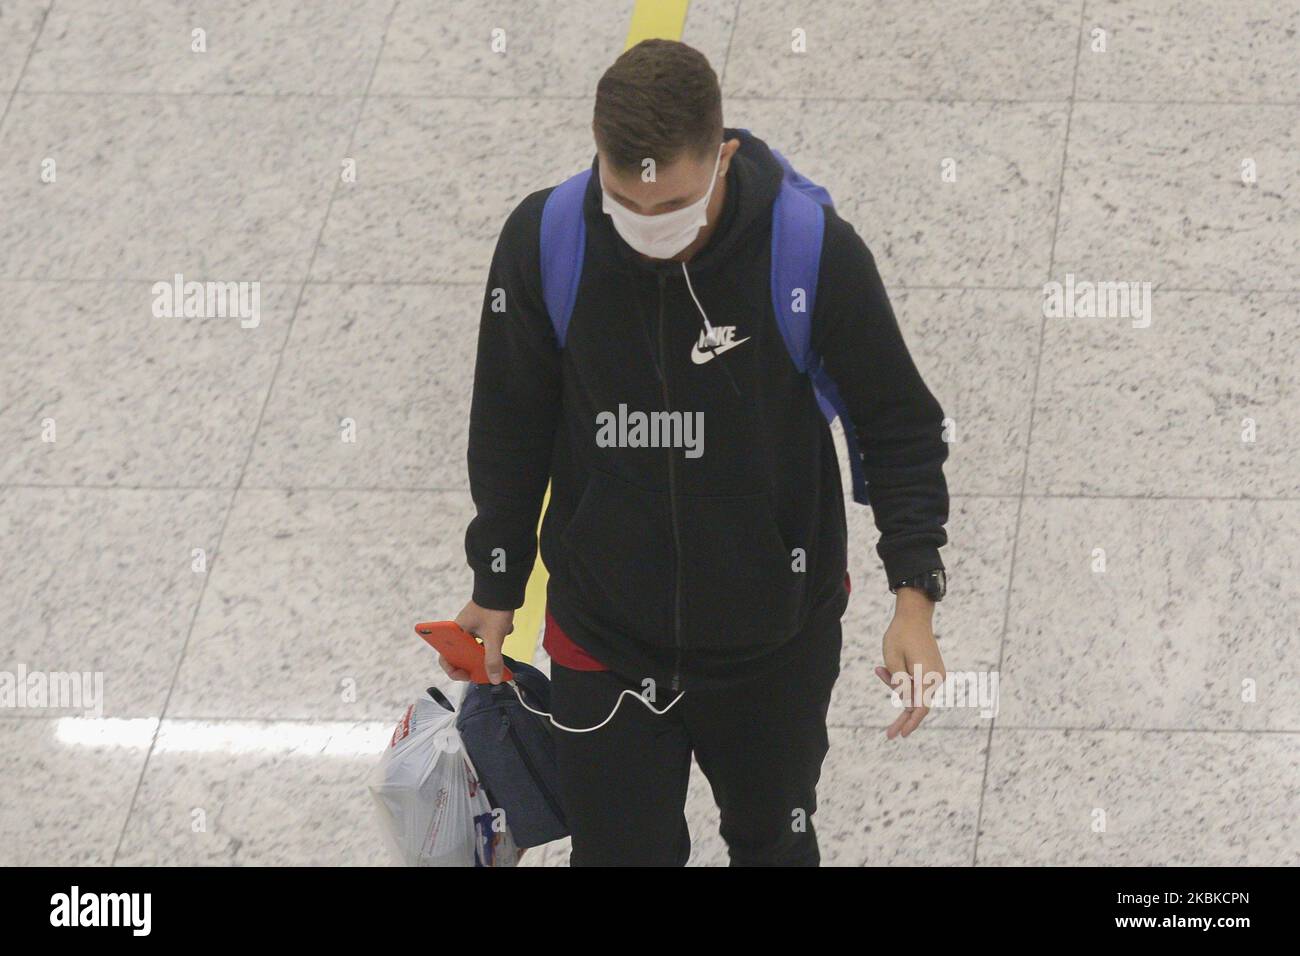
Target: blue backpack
798,223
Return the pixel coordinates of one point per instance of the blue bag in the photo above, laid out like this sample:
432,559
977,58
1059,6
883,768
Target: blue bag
798,224
514,753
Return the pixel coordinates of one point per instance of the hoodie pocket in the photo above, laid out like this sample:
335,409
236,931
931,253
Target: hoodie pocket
740,583
619,548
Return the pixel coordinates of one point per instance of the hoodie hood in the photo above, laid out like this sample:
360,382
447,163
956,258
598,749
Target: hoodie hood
753,181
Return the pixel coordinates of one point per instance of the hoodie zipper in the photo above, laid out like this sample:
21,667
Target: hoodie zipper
672,501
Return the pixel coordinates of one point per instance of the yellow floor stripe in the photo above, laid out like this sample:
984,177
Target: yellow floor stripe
522,642
663,19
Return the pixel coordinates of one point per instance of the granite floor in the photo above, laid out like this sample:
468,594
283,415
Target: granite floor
1125,529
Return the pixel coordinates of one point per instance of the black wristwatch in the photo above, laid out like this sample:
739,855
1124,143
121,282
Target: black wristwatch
933,583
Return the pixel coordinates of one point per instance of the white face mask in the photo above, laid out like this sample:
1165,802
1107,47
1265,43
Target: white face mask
664,235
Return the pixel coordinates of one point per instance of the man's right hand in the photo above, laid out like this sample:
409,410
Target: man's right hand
491,627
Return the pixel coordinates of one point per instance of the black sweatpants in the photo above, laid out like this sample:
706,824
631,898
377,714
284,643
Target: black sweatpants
760,743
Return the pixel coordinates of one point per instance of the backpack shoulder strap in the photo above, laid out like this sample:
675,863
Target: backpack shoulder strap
563,245
798,224
798,228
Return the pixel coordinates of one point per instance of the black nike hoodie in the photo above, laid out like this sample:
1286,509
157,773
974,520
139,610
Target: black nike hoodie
692,566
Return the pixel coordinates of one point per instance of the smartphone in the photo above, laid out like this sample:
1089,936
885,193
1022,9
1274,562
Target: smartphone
460,647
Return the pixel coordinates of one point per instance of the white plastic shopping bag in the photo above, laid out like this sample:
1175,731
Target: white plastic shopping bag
430,805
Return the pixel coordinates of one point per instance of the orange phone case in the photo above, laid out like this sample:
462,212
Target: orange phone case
460,647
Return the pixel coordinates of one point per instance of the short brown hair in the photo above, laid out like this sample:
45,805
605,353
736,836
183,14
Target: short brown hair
659,100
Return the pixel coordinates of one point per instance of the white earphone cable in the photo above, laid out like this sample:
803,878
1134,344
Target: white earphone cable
617,704
711,337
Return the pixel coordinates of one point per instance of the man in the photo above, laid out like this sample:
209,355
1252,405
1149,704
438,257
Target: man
695,536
